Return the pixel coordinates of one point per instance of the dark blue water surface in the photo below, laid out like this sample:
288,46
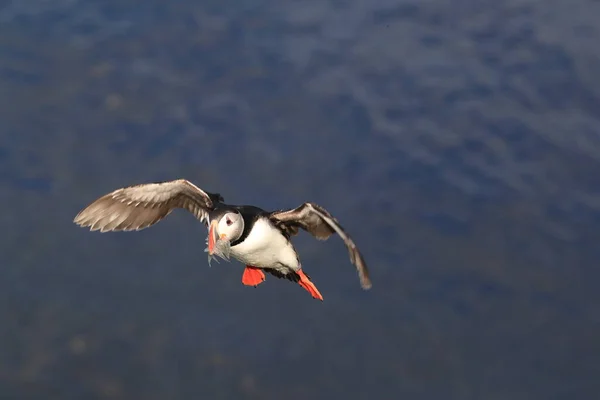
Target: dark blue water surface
457,141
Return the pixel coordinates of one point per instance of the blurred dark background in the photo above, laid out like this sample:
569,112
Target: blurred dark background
457,141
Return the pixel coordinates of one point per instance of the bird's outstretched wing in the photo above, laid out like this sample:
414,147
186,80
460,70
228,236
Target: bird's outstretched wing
319,223
140,206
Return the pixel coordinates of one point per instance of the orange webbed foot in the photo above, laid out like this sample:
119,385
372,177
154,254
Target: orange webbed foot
253,276
308,285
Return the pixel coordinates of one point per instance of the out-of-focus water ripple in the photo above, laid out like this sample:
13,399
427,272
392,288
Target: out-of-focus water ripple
459,143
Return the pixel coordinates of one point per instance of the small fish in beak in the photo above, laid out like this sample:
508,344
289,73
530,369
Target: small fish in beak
217,246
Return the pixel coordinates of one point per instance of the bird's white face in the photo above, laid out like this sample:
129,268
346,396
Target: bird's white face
221,232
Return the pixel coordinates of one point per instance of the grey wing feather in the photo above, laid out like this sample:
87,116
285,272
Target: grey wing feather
140,206
319,223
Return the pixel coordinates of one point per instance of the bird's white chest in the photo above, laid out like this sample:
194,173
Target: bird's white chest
266,247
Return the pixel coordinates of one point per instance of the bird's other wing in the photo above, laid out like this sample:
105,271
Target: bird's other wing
319,223
140,206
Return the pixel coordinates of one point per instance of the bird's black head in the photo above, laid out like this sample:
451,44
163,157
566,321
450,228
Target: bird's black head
226,225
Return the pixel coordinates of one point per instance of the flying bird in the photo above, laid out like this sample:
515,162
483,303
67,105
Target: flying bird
257,238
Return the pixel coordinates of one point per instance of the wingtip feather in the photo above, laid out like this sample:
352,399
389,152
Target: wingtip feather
366,284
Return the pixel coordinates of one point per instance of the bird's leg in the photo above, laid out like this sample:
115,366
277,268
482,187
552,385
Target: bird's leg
253,276
308,285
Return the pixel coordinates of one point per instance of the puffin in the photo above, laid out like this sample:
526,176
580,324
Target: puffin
259,239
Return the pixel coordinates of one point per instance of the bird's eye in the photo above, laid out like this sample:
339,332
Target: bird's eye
229,222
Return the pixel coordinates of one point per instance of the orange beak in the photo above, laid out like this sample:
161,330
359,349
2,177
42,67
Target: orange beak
212,237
